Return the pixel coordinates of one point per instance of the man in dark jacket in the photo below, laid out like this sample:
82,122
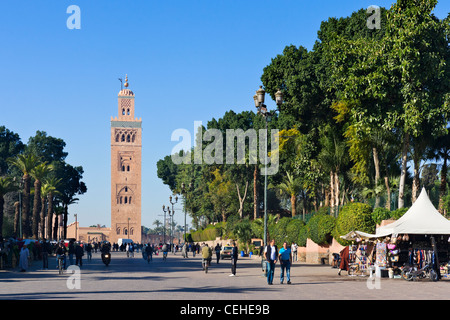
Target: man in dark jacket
234,257
271,255
79,252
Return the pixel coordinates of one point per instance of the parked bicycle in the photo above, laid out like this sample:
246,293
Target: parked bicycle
412,273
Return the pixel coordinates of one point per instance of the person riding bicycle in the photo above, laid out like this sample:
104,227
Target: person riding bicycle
61,253
206,254
165,249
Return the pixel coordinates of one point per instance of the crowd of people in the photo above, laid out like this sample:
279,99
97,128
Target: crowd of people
73,253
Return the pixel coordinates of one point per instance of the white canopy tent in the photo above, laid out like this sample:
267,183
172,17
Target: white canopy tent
353,235
421,218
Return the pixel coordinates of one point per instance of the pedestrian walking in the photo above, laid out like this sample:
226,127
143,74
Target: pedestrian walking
46,250
234,257
71,252
217,250
271,256
294,248
89,251
285,257
24,256
79,253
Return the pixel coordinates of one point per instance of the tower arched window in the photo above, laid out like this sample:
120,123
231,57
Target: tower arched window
118,230
128,168
128,111
125,200
123,137
123,111
128,138
131,231
125,231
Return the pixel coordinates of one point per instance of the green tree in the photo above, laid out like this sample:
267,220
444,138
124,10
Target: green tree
25,163
6,185
39,173
10,147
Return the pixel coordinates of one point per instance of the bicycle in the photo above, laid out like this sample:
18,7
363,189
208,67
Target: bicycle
61,264
412,273
205,265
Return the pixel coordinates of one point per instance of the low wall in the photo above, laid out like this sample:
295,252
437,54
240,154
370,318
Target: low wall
312,253
318,254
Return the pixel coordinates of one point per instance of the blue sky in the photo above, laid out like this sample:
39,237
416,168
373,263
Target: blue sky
186,61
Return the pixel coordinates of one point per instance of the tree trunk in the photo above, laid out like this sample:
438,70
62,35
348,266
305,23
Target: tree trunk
332,193
55,228
50,217
42,219
26,230
2,202
388,191
443,187
242,199
401,187
416,181
255,193
16,217
293,204
65,215
36,208
336,192
376,163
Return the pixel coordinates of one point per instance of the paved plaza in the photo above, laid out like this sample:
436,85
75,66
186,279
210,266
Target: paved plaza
182,279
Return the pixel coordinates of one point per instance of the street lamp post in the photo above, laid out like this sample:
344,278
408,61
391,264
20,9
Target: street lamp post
76,226
164,224
259,98
171,216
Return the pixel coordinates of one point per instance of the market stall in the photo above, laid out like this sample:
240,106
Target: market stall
420,238
360,253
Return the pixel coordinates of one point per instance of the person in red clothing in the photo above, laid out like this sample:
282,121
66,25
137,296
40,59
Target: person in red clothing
344,259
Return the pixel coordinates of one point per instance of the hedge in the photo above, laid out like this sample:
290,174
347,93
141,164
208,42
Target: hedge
354,216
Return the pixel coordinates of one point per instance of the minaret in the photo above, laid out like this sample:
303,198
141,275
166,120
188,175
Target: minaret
126,153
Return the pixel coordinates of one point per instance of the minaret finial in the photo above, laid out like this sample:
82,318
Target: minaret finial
126,81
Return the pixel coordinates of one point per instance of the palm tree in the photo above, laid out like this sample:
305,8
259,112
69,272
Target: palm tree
51,188
332,158
440,149
291,186
6,185
25,163
59,211
39,173
66,201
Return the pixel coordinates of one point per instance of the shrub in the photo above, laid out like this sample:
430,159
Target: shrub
320,228
302,236
279,232
293,230
353,217
396,214
380,214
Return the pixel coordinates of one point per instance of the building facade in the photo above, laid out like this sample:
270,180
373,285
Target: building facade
126,156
